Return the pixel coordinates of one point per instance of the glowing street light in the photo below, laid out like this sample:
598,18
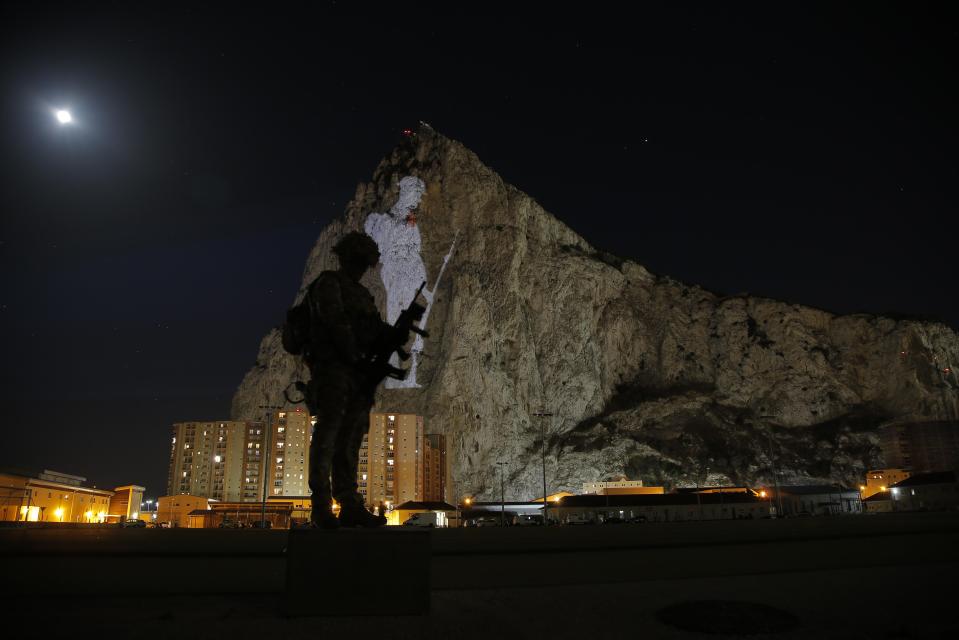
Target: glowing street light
63,116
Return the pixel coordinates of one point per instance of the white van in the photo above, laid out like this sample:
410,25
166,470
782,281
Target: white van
579,518
426,519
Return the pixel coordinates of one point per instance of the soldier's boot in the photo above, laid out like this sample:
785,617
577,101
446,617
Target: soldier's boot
324,520
356,515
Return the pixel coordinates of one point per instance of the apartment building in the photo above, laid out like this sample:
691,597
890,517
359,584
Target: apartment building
207,459
290,461
435,468
400,463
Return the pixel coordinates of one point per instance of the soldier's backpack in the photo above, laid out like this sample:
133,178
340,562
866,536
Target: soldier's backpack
296,329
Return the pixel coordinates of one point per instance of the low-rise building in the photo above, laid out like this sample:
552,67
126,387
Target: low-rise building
937,491
620,487
125,503
280,511
403,512
723,489
814,500
51,496
175,510
878,480
669,507
880,502
473,512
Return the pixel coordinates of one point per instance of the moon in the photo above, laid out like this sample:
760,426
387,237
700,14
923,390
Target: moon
63,116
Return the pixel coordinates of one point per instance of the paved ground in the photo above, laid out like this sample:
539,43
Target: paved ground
869,577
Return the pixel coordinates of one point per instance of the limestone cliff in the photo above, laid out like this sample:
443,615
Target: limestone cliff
646,376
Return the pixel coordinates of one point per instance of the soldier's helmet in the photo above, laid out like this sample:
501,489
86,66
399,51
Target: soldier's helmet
357,247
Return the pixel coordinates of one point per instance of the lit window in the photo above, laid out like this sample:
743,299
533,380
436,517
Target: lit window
217,458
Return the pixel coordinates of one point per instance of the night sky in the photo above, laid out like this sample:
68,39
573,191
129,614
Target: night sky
794,152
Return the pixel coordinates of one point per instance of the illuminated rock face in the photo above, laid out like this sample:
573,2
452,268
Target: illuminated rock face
647,377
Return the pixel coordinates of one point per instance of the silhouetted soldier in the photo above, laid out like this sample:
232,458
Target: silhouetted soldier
344,326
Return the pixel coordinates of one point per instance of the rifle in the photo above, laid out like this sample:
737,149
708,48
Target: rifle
378,365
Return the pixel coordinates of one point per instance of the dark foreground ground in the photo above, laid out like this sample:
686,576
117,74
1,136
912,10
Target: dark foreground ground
884,576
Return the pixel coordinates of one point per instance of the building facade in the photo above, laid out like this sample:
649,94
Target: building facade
208,458
921,447
233,461
289,464
125,502
400,463
620,487
815,500
938,491
52,496
390,465
435,468
175,510
669,507
282,512
879,480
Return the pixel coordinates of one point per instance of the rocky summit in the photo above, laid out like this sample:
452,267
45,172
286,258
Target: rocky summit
645,376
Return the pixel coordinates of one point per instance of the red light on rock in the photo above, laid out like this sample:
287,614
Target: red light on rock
408,133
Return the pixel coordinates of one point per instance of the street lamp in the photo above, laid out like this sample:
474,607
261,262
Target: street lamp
544,414
267,456
502,494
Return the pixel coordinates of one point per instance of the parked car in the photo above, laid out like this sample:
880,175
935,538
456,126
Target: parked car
614,520
230,524
488,521
579,518
262,524
133,524
637,520
528,520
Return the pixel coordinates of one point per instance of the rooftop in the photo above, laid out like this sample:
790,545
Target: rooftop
657,499
428,506
937,477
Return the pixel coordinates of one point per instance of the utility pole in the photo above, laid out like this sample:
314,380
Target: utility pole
502,494
779,496
544,414
699,499
267,456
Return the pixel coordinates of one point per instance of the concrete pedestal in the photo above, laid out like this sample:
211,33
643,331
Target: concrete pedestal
358,572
